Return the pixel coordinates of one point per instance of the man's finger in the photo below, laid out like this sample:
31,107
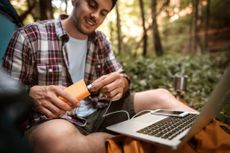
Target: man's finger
72,101
116,97
55,109
46,112
98,84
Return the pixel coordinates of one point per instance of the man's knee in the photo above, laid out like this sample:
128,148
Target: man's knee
162,91
163,94
156,95
166,100
51,135
153,99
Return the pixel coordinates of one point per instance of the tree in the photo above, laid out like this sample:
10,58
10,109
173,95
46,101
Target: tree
119,37
46,9
145,37
206,48
195,27
27,12
156,36
34,12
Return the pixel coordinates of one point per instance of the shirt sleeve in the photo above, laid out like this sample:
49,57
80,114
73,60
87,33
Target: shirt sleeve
17,59
111,63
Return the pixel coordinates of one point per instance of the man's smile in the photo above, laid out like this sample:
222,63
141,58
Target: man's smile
89,21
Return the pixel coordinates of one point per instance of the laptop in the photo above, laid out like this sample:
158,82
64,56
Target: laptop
158,126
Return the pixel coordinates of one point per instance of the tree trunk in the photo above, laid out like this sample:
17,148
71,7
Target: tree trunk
35,10
145,37
156,35
46,10
148,27
119,37
111,27
206,48
195,26
28,11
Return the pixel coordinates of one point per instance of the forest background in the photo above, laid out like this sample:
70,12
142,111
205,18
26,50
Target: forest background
159,40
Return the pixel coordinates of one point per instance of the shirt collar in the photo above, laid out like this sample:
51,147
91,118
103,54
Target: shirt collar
61,33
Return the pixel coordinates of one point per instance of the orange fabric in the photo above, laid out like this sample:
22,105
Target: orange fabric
123,144
211,139
77,90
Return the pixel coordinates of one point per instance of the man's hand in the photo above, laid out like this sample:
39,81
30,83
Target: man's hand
47,101
112,85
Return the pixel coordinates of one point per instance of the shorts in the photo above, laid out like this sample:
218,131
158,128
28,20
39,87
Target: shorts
116,112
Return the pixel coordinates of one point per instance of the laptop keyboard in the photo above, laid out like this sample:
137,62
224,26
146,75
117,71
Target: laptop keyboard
169,127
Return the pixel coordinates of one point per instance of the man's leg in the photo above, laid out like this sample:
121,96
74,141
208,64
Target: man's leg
158,98
60,136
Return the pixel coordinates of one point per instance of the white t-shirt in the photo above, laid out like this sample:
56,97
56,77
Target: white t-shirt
77,51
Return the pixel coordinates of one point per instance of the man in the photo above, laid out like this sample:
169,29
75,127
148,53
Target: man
48,55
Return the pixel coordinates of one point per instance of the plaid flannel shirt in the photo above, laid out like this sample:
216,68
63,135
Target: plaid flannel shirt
36,55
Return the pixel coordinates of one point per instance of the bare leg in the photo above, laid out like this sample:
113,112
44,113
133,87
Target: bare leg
60,136
158,98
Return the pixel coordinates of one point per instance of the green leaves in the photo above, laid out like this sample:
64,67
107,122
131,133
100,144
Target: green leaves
203,72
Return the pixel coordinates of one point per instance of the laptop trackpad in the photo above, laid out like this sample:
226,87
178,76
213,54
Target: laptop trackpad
149,118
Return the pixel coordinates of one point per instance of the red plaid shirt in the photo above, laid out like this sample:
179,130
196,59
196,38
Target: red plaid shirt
36,55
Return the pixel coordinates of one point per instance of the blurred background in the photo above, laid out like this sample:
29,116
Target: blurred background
157,40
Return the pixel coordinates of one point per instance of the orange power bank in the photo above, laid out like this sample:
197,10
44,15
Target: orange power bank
78,90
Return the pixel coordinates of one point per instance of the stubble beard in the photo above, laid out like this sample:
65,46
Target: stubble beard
78,25
77,21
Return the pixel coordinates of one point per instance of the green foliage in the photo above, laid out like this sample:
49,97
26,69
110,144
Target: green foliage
203,72
175,35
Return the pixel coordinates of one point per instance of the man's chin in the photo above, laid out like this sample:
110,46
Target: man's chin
86,31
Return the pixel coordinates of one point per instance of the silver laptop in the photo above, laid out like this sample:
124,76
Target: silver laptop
158,126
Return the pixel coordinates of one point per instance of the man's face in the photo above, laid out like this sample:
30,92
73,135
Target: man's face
88,15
